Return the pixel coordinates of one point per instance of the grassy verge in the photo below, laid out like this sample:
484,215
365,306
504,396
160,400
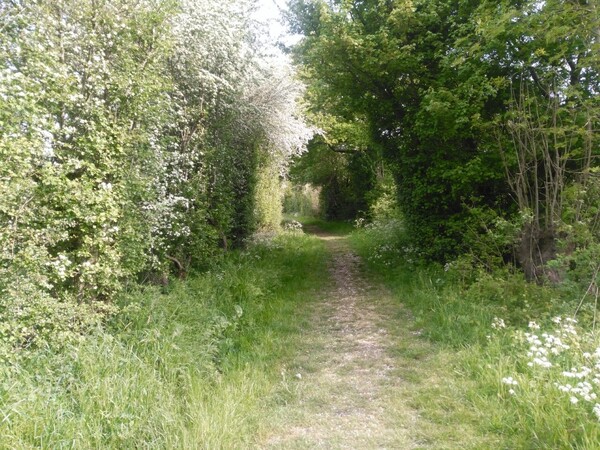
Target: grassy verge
513,366
192,368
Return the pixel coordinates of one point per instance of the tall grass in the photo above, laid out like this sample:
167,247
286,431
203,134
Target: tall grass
194,367
513,361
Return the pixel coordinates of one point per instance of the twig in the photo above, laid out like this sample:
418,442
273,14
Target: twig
592,284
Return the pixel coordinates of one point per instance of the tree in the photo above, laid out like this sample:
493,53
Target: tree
132,134
439,81
548,135
389,62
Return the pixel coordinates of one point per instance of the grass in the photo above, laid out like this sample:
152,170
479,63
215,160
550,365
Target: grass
344,363
196,367
207,363
467,399
339,228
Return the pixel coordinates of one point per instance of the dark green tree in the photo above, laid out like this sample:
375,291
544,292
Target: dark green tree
447,88
390,62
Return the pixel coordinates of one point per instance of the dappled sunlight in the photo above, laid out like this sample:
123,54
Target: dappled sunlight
329,237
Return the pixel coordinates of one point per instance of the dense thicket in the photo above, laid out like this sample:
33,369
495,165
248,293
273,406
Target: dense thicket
136,138
485,111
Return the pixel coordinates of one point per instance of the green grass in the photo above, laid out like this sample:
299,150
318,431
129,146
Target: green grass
339,227
196,367
464,399
206,364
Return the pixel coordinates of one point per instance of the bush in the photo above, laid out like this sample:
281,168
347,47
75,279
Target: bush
132,133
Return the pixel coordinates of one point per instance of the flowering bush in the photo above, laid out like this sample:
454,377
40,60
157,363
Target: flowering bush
131,138
294,226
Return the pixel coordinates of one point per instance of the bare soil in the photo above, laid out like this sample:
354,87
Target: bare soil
350,369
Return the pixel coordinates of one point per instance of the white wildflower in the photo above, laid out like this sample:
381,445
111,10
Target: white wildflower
540,361
510,381
498,323
597,410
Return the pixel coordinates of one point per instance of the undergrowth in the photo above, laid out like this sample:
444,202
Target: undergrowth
193,367
518,363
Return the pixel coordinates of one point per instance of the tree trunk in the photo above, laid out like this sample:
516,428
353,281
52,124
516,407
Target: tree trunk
537,247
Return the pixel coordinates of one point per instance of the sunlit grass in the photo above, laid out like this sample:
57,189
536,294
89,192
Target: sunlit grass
490,386
212,362
192,368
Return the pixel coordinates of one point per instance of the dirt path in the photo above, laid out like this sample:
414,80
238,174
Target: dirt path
349,370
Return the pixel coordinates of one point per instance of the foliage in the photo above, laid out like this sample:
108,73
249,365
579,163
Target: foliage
525,354
383,204
238,118
432,85
345,180
301,200
133,134
389,63
269,198
81,93
550,128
